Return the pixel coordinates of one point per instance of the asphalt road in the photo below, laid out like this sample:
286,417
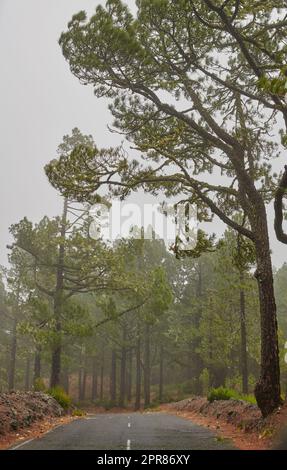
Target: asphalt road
148,431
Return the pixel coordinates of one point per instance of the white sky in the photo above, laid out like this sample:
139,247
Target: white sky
40,101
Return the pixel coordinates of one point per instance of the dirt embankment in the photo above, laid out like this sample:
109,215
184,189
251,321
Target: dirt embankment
27,414
21,409
234,419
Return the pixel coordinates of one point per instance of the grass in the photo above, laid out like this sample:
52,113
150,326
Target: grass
59,394
177,392
222,393
78,412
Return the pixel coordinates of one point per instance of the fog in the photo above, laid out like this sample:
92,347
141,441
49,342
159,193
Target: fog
40,102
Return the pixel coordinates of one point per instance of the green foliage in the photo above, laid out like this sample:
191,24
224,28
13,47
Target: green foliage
116,53
148,64
39,385
161,294
78,412
276,85
248,398
59,394
220,393
204,380
204,244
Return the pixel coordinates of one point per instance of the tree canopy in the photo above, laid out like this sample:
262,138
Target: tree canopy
187,85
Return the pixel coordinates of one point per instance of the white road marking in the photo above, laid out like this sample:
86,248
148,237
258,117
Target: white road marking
128,444
52,429
33,439
91,417
129,425
22,444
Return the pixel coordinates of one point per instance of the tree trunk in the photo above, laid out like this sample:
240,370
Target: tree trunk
65,380
123,370
267,390
243,361
80,383
160,395
82,376
147,366
113,380
198,363
94,380
138,374
27,373
58,301
102,383
37,364
12,361
84,383
56,363
129,375
278,208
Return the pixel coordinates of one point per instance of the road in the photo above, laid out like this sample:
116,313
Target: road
137,431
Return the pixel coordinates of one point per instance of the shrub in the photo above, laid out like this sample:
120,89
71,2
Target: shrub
59,394
39,385
220,393
78,412
223,393
249,398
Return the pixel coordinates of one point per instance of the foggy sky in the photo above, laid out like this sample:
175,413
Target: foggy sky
40,101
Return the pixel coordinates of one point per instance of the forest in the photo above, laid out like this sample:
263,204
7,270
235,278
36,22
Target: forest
196,91
129,322
170,328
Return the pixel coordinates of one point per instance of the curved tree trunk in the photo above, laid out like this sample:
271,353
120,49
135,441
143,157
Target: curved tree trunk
278,208
267,390
243,353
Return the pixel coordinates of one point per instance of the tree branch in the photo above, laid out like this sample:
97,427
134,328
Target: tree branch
135,307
